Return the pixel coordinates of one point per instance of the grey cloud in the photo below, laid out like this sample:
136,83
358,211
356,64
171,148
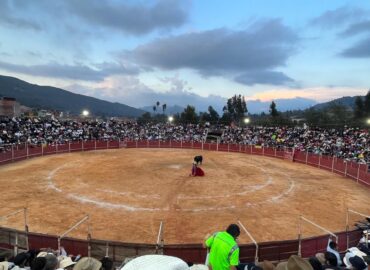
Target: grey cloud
356,28
75,72
131,18
263,46
359,50
339,16
131,91
8,17
263,77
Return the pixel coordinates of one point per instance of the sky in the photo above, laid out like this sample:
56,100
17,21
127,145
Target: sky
189,51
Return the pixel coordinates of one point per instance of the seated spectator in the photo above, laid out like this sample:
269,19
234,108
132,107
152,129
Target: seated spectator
365,235
51,262
106,263
354,259
20,261
38,263
315,263
294,263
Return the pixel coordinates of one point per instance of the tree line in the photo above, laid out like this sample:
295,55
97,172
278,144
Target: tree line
235,112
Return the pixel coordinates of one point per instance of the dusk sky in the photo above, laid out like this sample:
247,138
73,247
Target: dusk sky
179,52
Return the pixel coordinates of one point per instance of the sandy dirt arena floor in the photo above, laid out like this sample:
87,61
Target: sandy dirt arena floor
127,192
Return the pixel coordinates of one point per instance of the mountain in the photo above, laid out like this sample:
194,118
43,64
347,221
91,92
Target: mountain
344,101
284,104
52,98
254,106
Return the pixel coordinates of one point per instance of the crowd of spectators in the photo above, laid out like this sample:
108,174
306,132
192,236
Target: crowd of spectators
348,143
223,254
39,131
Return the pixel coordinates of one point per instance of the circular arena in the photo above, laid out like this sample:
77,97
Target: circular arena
127,192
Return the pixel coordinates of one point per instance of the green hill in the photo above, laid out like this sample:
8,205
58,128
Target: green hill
52,98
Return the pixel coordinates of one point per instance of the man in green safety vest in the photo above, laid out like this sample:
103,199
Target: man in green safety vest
224,251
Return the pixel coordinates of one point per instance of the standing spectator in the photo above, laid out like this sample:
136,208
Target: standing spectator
333,248
224,250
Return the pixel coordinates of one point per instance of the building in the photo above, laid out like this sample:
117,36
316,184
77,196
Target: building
9,107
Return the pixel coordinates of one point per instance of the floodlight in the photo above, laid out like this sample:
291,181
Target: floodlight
170,119
247,120
85,113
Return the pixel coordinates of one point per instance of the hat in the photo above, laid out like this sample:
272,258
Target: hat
4,265
42,254
294,263
66,262
87,263
149,262
266,265
321,258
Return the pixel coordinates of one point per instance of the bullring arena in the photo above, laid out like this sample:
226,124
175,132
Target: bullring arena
127,192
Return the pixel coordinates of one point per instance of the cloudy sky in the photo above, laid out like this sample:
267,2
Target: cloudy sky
189,51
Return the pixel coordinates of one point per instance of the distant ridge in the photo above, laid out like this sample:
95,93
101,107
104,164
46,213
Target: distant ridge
52,98
348,102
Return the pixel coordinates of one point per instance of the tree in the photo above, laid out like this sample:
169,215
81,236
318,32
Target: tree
359,108
367,104
273,111
236,108
145,118
338,114
189,115
210,116
164,107
154,108
213,115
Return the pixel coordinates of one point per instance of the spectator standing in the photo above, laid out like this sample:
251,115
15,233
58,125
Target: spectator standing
224,250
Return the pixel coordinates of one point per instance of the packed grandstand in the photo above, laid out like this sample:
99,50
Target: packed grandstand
346,143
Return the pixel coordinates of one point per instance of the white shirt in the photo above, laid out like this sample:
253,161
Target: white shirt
336,253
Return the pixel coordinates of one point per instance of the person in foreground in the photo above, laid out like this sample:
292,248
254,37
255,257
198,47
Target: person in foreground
224,250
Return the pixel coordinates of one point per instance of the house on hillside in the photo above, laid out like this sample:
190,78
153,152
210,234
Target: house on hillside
9,107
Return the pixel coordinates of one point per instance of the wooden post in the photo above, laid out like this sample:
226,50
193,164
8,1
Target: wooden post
307,157
69,146
358,172
332,164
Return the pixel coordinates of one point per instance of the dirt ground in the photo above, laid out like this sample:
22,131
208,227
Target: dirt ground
127,192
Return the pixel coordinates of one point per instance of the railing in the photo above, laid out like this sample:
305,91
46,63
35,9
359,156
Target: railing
276,251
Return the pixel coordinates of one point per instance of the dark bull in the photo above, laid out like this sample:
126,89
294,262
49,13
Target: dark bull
198,159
